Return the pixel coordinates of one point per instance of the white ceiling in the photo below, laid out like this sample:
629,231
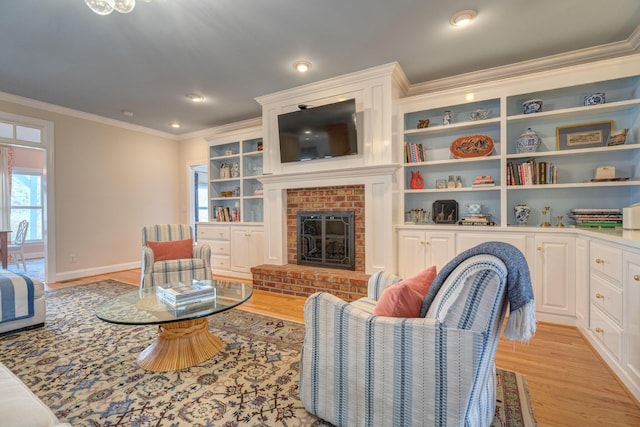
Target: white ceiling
231,51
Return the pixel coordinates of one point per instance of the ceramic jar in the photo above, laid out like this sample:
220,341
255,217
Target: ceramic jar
522,213
474,208
594,99
528,142
532,106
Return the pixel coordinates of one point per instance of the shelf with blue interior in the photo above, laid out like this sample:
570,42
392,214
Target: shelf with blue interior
577,168
467,169
224,151
253,208
437,145
620,94
489,201
251,187
460,117
252,146
225,209
252,164
566,198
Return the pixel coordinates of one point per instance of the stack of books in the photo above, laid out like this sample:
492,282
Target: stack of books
596,217
180,294
483,181
476,219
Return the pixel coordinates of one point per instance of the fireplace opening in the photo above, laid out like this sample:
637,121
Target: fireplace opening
326,239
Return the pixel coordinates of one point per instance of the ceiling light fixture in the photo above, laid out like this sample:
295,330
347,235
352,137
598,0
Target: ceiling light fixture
462,18
195,97
302,66
127,113
105,7
175,125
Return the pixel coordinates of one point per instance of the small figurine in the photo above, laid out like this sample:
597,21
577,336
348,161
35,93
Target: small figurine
423,123
446,119
235,171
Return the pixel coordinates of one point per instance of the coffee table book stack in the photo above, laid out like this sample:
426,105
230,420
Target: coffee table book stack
179,294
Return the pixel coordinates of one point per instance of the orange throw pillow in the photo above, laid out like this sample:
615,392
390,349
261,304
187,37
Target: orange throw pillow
399,300
421,282
175,249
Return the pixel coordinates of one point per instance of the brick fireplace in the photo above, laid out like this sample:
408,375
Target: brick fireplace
368,190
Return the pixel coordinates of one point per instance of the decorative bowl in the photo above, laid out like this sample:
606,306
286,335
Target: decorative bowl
594,99
472,146
532,106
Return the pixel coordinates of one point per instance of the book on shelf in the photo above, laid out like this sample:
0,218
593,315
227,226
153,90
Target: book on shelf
483,181
414,153
177,294
531,172
226,214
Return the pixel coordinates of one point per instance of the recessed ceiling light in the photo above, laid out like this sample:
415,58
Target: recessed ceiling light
127,113
175,125
302,66
195,97
462,18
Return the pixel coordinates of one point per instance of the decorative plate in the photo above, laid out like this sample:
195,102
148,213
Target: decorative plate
472,146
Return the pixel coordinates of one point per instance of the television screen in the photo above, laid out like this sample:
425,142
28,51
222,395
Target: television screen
318,132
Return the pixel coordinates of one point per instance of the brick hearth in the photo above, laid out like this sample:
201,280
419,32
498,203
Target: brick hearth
300,280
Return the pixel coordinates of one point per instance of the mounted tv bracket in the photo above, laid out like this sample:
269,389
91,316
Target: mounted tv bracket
304,106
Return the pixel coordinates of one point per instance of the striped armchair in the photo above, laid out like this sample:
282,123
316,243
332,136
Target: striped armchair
157,272
358,369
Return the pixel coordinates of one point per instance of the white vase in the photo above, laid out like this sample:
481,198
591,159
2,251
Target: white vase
528,142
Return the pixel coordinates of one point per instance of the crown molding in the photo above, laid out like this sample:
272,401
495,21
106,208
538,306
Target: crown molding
577,57
57,109
223,129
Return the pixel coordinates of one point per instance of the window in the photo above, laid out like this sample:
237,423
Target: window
26,201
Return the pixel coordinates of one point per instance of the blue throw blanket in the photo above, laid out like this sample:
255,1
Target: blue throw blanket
16,296
522,321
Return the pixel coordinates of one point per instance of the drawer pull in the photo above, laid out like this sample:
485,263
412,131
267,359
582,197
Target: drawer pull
599,330
247,234
539,248
599,261
599,296
422,242
636,277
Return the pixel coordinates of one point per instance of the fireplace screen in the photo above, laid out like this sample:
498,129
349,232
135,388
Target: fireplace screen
326,239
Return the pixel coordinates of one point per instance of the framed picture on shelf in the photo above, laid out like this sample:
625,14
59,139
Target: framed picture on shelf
587,135
617,137
445,212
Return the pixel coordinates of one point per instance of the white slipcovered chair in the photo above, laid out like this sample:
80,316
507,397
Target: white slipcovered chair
359,369
16,249
154,272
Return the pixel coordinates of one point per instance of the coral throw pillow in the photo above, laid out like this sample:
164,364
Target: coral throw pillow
421,282
399,300
175,249
404,299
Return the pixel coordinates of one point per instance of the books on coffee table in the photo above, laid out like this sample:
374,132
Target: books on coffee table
180,294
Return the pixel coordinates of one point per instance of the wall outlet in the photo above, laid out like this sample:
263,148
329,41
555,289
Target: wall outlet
72,258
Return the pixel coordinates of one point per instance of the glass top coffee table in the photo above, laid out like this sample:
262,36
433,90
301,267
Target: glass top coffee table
183,336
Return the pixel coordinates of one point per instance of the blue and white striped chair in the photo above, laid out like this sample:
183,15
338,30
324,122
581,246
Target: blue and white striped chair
438,370
176,270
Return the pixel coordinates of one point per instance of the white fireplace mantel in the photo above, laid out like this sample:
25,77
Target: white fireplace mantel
378,181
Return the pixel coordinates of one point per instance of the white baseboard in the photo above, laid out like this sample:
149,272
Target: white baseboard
77,274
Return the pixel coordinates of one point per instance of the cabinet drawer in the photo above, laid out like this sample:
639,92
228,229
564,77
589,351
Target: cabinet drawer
219,262
607,260
606,331
213,232
607,297
219,247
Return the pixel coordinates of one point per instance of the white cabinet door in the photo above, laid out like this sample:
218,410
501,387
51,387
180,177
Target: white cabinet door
555,267
247,249
419,249
411,252
582,282
632,316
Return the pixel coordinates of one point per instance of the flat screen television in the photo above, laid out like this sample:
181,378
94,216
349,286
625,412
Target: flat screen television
318,132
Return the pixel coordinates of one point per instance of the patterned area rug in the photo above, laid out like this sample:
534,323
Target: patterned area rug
85,371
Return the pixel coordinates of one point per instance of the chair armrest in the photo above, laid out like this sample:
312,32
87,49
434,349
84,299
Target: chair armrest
203,252
147,260
378,282
353,362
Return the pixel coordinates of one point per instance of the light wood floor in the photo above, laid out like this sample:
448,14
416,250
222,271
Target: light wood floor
568,383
